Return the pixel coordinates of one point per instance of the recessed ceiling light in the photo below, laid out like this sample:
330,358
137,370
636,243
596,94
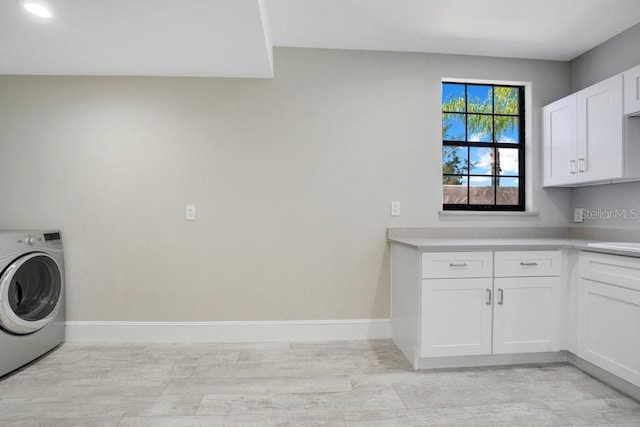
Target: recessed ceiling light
37,9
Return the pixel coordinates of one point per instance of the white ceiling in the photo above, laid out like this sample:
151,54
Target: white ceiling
216,38
538,29
232,38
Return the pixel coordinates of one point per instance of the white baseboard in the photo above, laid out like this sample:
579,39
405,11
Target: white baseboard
221,332
606,377
489,360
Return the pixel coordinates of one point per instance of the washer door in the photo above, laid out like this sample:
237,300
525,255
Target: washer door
30,289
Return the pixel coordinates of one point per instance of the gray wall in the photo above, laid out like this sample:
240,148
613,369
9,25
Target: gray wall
292,178
612,57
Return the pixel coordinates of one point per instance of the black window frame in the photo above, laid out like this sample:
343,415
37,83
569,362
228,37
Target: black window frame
520,145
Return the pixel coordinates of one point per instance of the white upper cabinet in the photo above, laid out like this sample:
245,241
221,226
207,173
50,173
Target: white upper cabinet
587,139
560,142
632,91
600,131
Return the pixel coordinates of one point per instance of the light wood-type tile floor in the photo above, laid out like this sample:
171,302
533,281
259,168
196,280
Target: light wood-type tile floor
356,383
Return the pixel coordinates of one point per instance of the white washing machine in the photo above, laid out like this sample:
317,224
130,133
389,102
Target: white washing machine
32,296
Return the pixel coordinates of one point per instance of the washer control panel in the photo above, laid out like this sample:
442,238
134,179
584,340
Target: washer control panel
48,239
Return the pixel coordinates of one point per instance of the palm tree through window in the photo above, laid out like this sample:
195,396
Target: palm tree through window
482,146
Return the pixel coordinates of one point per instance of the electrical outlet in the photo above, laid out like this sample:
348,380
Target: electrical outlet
578,215
395,208
190,213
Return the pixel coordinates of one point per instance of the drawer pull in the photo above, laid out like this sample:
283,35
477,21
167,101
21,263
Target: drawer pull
488,301
500,296
529,264
459,264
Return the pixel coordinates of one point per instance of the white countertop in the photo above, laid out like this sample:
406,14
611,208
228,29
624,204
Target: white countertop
458,244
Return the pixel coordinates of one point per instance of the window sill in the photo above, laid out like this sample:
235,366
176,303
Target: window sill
488,213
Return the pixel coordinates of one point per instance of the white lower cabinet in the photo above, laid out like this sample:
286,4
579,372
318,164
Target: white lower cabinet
482,307
456,317
466,316
526,315
609,314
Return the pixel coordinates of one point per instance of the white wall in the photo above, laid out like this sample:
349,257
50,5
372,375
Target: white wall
292,178
610,58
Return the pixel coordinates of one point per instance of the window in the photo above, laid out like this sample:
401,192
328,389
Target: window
482,147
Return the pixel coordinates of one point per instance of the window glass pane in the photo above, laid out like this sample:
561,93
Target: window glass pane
506,100
476,119
507,161
507,191
479,99
481,191
453,97
481,161
479,128
507,129
453,127
454,190
454,160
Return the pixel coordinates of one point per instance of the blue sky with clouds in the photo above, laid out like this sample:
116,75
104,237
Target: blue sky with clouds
480,156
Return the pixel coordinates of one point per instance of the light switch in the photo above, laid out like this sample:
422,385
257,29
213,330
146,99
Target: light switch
395,208
191,213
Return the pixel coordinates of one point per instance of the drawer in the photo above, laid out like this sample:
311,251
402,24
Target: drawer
527,263
612,269
450,265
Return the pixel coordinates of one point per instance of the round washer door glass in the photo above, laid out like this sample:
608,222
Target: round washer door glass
30,289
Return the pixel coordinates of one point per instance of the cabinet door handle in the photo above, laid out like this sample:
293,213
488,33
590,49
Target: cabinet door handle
488,302
500,296
581,164
529,264
457,264
572,167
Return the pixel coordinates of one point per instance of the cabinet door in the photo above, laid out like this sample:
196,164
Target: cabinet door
609,328
527,315
600,131
560,142
456,317
632,91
